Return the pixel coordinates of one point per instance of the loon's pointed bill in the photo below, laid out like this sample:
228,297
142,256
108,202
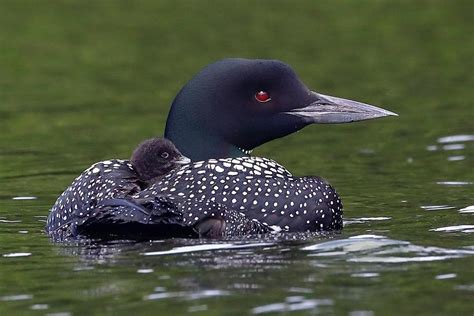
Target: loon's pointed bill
327,109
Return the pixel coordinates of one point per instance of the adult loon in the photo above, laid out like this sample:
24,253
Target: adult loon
225,111
234,105
98,203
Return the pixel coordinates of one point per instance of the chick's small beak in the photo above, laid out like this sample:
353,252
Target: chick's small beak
182,160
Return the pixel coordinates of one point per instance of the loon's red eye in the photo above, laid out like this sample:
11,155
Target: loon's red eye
262,96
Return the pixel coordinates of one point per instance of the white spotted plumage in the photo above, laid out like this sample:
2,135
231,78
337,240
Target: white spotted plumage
261,188
249,193
114,179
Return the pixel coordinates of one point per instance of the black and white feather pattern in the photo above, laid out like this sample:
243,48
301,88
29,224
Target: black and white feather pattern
260,189
101,202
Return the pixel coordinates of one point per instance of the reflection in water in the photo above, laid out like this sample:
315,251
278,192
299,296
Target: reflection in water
351,245
107,251
436,207
192,295
263,254
452,143
19,198
291,304
446,276
9,221
205,247
363,220
456,158
456,139
39,306
16,254
454,147
454,183
467,209
18,297
374,248
365,275
458,228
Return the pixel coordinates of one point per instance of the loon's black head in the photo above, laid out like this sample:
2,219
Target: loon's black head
235,105
156,157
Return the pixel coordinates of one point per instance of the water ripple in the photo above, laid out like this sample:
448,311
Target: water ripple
20,198
458,228
187,295
291,304
454,147
17,254
17,297
363,220
9,221
454,183
361,313
205,247
467,209
373,259
446,276
365,275
379,249
455,139
456,158
39,306
353,244
436,207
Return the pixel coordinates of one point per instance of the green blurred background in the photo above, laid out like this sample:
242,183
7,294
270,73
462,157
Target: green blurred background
102,74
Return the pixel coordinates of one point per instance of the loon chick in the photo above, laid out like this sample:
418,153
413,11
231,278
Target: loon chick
98,204
156,157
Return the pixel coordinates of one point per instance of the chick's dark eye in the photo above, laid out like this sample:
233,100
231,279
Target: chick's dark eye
165,155
262,96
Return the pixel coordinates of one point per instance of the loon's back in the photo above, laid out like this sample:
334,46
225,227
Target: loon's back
259,188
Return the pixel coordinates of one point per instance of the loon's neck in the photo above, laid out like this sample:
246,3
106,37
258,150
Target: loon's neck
198,145
191,126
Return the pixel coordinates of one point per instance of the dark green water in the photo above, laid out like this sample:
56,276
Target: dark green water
86,81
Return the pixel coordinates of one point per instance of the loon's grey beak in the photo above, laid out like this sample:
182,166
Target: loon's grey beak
182,160
328,109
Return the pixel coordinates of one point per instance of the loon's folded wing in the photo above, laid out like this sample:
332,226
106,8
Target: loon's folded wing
163,217
134,219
